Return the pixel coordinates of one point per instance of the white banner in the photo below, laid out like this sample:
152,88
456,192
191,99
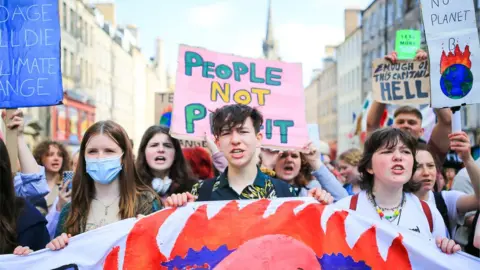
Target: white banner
246,235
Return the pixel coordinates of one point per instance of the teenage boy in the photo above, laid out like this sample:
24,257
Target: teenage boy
236,129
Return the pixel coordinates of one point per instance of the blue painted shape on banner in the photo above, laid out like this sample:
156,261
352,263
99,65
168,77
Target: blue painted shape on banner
30,71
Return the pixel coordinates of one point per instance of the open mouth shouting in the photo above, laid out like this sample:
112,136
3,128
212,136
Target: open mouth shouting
237,153
398,169
160,159
56,165
288,169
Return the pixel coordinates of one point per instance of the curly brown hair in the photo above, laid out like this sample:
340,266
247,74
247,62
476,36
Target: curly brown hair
305,174
42,150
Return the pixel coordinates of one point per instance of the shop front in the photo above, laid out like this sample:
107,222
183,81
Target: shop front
71,120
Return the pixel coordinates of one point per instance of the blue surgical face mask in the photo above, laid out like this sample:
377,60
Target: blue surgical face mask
104,170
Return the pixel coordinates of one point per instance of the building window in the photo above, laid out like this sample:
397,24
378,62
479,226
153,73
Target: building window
64,61
391,13
399,10
411,4
72,64
81,30
73,18
381,15
64,15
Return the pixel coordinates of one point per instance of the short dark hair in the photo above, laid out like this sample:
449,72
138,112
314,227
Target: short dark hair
386,137
408,110
233,115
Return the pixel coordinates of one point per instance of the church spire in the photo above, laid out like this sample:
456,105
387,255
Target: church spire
269,46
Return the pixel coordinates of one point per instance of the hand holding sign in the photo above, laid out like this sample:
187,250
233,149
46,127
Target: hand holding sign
407,43
421,55
401,82
14,121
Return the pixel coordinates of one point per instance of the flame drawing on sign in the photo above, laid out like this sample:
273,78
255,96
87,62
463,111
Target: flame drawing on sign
224,240
457,79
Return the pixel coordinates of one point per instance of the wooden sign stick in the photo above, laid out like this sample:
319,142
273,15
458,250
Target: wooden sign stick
11,140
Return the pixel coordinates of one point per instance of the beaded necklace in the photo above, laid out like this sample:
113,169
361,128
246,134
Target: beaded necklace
397,211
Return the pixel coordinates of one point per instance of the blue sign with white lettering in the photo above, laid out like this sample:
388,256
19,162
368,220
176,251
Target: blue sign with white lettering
30,70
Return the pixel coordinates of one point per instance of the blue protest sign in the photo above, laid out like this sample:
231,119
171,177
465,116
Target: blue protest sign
30,71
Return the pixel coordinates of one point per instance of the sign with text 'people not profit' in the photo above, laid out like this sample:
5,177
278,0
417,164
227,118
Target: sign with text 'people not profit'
208,80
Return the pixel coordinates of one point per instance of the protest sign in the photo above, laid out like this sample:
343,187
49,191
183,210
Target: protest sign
454,51
163,116
30,72
208,80
249,234
407,43
405,82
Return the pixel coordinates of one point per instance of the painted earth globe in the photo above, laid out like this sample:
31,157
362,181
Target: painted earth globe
456,81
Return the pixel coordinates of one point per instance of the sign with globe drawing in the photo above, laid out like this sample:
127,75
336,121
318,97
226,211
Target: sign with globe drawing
454,51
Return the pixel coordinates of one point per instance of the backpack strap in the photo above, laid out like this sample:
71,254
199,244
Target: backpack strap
442,208
354,202
205,191
428,214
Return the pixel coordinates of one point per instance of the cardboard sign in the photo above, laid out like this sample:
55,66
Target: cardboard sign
406,82
407,43
30,69
208,80
454,51
163,116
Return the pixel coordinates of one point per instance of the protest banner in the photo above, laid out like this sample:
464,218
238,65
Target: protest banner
454,51
30,71
207,80
407,43
163,116
249,234
405,82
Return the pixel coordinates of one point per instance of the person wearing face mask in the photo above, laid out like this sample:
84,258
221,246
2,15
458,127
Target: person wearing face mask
106,183
304,171
452,204
161,164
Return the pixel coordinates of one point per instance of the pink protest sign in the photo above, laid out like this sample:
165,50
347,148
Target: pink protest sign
208,80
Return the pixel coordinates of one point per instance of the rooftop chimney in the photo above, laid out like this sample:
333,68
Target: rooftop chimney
352,20
134,30
108,11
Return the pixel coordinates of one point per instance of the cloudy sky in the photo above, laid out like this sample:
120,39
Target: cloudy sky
239,26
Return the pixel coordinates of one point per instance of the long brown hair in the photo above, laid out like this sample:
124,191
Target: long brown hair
83,184
180,171
10,205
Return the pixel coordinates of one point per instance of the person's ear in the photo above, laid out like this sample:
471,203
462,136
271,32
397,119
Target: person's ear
259,139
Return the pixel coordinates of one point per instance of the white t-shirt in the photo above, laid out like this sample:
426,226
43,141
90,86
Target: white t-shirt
450,197
412,217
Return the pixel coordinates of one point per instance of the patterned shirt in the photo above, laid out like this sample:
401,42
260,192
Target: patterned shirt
262,188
